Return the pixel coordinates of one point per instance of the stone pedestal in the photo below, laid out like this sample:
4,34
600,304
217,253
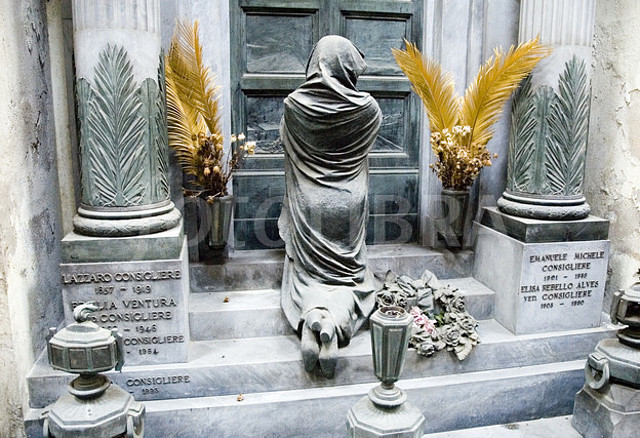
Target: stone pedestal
141,285
127,252
366,420
612,412
547,275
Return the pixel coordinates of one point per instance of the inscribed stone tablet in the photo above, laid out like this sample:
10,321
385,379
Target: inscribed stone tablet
562,285
147,301
542,287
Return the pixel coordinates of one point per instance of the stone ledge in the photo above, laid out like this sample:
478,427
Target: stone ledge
262,269
541,231
256,313
267,364
542,428
471,400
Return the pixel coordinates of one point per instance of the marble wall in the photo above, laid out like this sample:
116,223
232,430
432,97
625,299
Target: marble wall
462,35
612,184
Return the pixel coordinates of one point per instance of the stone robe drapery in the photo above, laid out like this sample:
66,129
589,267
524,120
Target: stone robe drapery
327,130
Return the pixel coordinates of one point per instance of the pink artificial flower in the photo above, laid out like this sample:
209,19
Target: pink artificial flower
422,321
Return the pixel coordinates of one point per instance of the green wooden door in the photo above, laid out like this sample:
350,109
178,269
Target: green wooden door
271,41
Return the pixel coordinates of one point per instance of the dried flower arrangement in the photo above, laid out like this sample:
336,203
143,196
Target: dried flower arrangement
461,127
193,118
440,318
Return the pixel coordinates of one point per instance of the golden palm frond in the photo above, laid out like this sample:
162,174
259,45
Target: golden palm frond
496,80
193,81
193,121
183,125
435,87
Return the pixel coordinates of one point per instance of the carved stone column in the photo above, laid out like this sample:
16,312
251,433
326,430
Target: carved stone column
128,252
543,216
122,118
550,114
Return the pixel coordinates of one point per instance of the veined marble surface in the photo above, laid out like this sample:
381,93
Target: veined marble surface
543,428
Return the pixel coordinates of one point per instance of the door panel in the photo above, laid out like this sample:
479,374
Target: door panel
269,50
271,41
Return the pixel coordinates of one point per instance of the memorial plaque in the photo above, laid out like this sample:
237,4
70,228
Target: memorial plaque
147,301
562,285
543,287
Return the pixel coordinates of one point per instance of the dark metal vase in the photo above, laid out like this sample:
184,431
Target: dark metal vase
390,332
220,212
455,207
383,413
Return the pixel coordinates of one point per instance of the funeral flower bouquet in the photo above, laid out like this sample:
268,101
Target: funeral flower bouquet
440,318
193,118
459,161
461,127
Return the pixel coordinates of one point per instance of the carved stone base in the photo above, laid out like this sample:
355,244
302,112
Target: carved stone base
623,362
115,413
147,300
125,222
366,420
544,207
613,412
542,287
529,230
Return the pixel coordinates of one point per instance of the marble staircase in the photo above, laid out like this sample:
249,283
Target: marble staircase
245,375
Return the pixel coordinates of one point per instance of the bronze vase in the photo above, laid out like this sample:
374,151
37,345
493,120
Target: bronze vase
220,210
390,333
455,207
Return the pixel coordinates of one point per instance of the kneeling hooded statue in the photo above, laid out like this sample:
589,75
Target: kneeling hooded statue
327,130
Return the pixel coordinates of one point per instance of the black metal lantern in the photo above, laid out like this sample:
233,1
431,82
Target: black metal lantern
608,405
625,309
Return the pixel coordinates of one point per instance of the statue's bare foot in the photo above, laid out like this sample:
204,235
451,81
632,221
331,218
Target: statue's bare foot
310,347
328,357
319,342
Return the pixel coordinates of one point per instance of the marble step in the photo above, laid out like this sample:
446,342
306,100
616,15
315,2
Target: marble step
262,269
542,428
267,364
257,313
450,402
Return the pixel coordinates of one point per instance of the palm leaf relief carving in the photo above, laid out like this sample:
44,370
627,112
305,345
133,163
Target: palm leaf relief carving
162,140
117,149
521,138
569,124
148,93
84,95
542,102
